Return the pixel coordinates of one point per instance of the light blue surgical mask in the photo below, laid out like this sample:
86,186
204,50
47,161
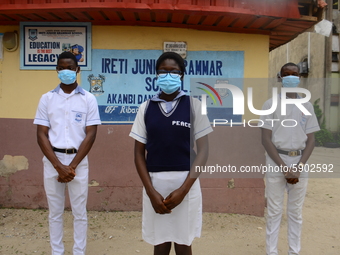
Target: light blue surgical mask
67,76
169,83
290,81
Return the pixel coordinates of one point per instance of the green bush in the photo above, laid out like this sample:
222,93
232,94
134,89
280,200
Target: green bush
323,136
319,114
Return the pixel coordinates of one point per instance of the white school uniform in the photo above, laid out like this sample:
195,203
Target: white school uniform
288,139
184,223
67,116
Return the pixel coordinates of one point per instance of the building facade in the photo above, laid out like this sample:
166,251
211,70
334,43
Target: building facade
224,41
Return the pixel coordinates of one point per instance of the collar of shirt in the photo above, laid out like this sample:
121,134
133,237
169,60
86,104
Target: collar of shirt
78,89
168,104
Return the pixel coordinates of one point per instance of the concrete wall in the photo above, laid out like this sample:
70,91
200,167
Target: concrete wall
296,51
114,183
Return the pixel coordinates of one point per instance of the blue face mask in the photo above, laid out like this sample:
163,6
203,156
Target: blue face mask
67,76
290,81
169,84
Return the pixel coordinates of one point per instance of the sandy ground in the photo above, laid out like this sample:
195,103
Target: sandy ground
119,233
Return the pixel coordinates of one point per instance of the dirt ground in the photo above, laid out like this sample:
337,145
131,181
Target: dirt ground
119,233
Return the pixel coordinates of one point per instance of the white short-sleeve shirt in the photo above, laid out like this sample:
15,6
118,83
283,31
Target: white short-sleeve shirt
201,123
289,138
67,116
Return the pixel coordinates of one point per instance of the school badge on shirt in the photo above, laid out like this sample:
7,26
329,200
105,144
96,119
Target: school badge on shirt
79,117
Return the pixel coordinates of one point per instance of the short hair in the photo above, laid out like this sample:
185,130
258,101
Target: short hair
289,64
67,54
171,55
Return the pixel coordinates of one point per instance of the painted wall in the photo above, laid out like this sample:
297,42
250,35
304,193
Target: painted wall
114,183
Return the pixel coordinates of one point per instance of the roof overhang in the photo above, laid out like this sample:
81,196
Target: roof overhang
282,20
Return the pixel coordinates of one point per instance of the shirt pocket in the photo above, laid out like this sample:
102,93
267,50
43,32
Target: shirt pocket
78,117
303,121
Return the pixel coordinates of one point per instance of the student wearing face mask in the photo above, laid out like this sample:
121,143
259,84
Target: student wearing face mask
164,134
67,119
288,149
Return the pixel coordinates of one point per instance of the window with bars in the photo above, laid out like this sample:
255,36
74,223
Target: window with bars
335,53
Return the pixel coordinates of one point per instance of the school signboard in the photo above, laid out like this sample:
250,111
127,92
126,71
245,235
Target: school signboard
42,42
123,79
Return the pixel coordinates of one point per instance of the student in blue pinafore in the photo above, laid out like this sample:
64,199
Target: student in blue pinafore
164,133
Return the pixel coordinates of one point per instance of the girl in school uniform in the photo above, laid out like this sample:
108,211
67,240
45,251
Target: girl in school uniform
164,130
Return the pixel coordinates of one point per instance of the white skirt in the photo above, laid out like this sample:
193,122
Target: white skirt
184,223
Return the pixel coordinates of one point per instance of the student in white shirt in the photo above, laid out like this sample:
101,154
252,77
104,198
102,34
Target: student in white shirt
67,119
288,148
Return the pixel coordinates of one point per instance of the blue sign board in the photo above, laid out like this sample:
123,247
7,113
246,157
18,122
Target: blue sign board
123,79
